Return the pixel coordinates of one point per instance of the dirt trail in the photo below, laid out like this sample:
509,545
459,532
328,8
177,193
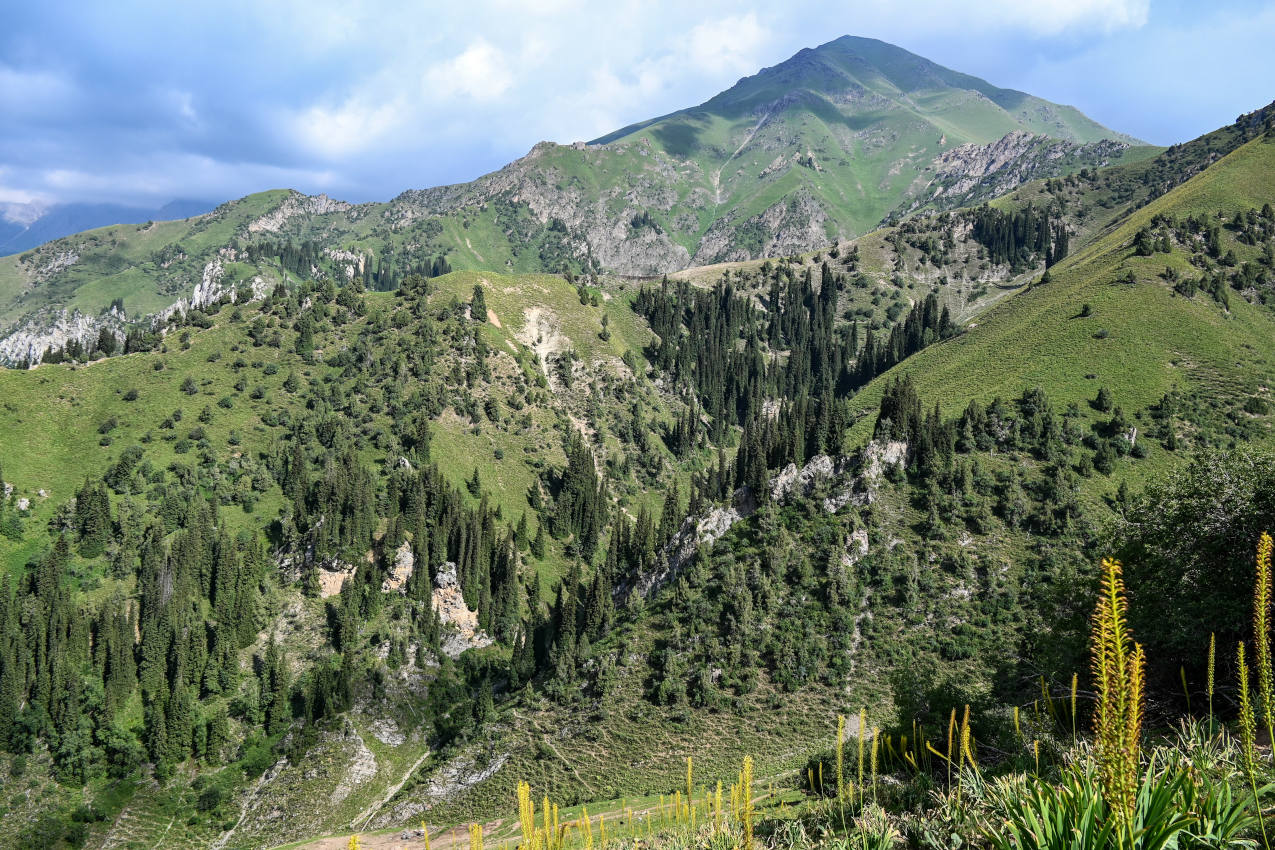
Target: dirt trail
366,815
456,837
717,175
248,800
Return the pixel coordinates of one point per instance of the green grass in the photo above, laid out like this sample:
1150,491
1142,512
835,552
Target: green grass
1155,341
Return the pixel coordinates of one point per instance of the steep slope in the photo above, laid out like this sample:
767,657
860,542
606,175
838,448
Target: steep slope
1181,320
322,472
843,130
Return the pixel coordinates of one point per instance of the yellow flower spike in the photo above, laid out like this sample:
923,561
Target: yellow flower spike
841,736
876,735
1262,632
1075,681
1212,654
863,730
1118,664
1248,736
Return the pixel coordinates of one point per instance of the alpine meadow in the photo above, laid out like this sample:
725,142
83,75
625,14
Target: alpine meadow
867,457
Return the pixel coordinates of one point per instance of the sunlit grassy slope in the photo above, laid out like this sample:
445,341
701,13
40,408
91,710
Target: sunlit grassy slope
1142,339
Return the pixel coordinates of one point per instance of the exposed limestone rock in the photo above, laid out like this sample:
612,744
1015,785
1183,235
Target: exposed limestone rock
361,769
55,329
971,173
801,481
296,204
678,551
857,547
60,262
333,577
793,225
854,482
353,262
541,332
209,290
448,781
452,610
385,730
400,570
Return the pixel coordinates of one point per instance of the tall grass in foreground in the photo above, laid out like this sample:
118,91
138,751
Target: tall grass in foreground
1262,633
1118,665
1248,735
1048,786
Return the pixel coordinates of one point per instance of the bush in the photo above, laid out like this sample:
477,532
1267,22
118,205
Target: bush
1188,543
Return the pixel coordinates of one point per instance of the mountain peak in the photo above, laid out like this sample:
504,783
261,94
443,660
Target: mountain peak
863,83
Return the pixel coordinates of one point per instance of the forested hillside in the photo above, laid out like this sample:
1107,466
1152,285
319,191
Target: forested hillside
343,551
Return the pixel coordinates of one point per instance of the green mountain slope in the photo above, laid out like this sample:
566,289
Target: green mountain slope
1141,336
842,130
819,148
250,567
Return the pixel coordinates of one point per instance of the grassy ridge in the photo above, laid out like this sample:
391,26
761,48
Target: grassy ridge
1155,340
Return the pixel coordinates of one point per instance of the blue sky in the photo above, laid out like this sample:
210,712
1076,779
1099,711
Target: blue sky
143,102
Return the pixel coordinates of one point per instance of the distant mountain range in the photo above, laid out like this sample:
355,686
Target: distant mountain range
24,226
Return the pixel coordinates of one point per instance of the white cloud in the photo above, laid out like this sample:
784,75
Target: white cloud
148,177
17,204
1033,17
356,125
481,72
727,46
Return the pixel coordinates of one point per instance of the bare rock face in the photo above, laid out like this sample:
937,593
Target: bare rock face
459,774
851,480
801,481
361,768
211,289
332,577
450,604
861,489
294,205
971,173
695,532
856,548
43,331
400,570
793,225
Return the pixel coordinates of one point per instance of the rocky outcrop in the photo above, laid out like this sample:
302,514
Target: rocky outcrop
401,570
801,481
211,289
871,466
695,532
333,576
296,204
970,174
463,631
796,224
40,332
851,481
